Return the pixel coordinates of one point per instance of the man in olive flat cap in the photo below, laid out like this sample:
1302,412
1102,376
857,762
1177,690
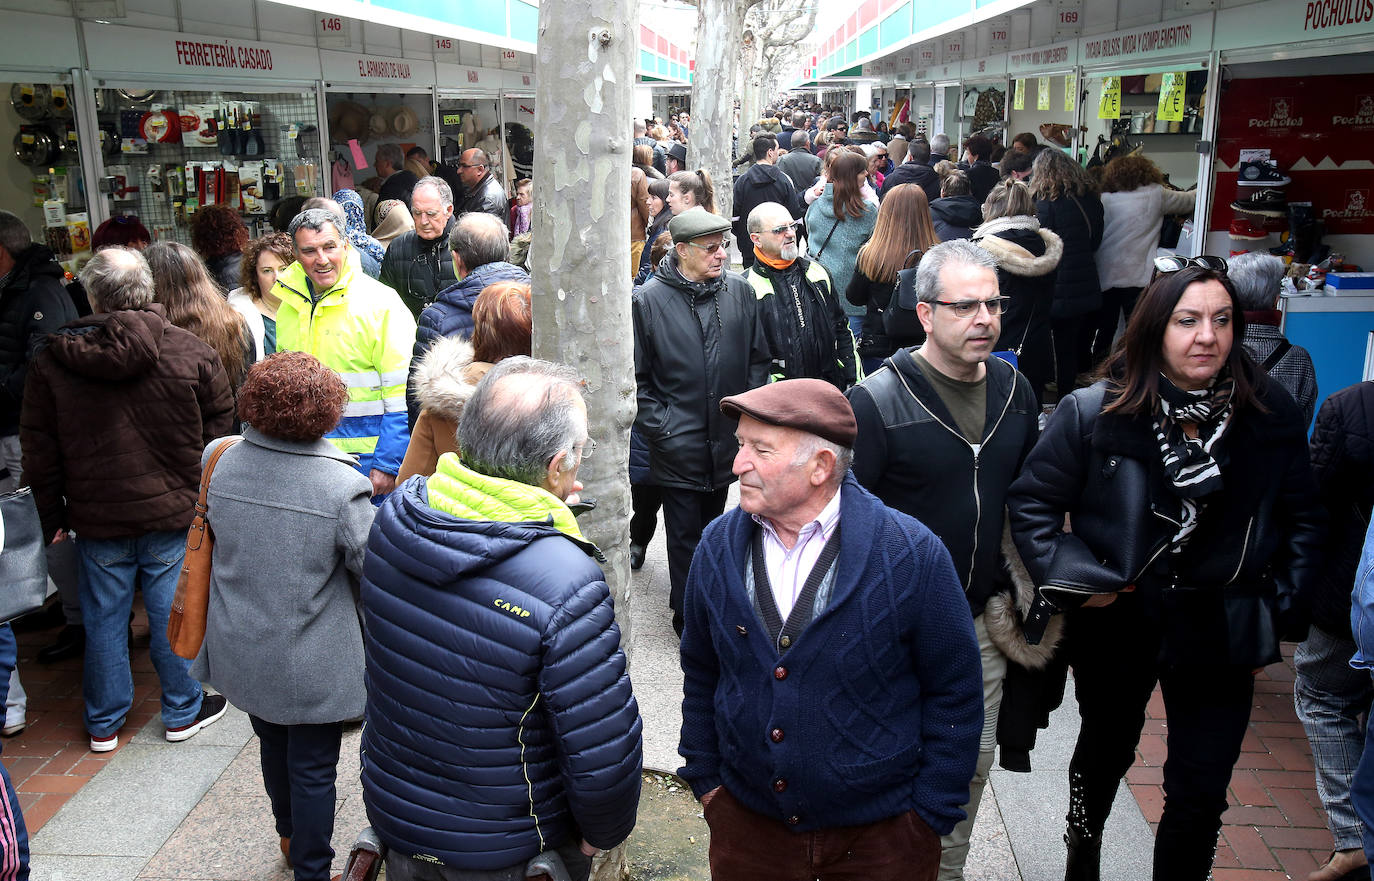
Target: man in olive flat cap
698,338
832,692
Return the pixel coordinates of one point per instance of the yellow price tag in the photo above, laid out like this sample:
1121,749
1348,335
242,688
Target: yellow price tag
1042,96
1019,101
1110,105
1171,97
1070,92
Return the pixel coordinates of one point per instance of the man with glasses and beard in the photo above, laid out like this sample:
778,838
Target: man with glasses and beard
698,339
418,263
806,328
942,432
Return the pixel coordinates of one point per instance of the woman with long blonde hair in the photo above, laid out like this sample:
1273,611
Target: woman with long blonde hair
903,227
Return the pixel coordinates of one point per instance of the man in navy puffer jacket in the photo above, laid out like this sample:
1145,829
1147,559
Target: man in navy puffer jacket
481,256
500,719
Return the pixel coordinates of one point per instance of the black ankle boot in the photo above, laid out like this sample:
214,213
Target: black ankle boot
1085,856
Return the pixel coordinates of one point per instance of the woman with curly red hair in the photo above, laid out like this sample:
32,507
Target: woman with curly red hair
300,675
218,235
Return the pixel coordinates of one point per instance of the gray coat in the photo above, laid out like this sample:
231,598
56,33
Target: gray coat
283,641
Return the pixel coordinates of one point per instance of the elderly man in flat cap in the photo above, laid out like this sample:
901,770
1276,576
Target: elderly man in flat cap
698,338
832,688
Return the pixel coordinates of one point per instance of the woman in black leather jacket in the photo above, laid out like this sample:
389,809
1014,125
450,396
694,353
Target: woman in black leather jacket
1185,476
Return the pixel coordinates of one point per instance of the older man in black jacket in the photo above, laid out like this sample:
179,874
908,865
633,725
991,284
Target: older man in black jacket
418,264
698,338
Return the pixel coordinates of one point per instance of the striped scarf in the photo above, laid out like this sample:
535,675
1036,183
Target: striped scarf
1188,462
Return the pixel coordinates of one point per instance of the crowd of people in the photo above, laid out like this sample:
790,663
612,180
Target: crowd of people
921,553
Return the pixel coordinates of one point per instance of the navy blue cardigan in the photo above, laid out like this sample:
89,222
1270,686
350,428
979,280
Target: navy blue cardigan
881,707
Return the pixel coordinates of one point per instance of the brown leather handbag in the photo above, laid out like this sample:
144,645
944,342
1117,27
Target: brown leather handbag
191,604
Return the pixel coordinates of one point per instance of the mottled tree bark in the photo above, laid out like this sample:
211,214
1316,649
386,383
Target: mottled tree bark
720,25
580,257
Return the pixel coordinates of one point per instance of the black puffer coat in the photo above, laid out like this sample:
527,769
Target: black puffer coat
695,343
916,173
32,303
418,269
1343,461
1026,260
1078,222
955,217
1255,547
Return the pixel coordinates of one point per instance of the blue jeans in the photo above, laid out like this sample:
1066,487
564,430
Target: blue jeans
14,837
109,570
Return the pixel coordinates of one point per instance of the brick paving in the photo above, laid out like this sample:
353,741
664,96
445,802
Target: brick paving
1275,826
51,760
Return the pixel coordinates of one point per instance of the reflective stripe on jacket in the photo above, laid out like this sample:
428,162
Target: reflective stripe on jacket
361,329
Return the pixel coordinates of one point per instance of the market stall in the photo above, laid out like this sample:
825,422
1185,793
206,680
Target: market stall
189,121
1044,100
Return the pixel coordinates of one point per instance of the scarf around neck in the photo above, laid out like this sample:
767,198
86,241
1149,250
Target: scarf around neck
1189,463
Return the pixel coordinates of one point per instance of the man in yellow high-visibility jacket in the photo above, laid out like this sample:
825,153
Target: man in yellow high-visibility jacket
360,328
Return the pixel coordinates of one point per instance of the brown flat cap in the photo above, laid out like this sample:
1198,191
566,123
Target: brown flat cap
810,405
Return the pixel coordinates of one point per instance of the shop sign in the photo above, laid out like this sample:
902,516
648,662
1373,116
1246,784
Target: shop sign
1060,55
1276,22
1070,92
1186,35
378,70
332,32
1171,101
1018,101
142,51
999,35
985,68
1109,107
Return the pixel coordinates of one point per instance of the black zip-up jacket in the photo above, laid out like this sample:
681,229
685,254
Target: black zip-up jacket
761,183
806,328
1104,471
955,217
33,303
916,173
1343,462
910,454
695,343
418,269
1077,220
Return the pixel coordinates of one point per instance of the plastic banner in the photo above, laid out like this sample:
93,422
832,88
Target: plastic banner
1018,102
1042,96
1070,92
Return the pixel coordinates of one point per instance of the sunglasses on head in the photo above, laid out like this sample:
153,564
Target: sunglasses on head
1175,262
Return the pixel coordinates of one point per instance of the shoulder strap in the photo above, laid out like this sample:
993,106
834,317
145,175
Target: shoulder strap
1086,221
201,506
1277,355
827,237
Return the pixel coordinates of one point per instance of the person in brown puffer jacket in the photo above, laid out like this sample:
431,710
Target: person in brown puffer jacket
117,410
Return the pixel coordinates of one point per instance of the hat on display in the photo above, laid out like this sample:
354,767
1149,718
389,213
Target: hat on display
347,122
810,405
404,122
377,123
678,151
696,222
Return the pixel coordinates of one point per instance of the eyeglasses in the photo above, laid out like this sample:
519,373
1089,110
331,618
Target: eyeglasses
468,165
968,308
588,447
1175,262
779,230
723,245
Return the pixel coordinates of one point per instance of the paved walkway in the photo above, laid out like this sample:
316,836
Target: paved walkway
196,811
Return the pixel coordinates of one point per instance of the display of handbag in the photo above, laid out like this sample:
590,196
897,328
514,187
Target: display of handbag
191,603
23,556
